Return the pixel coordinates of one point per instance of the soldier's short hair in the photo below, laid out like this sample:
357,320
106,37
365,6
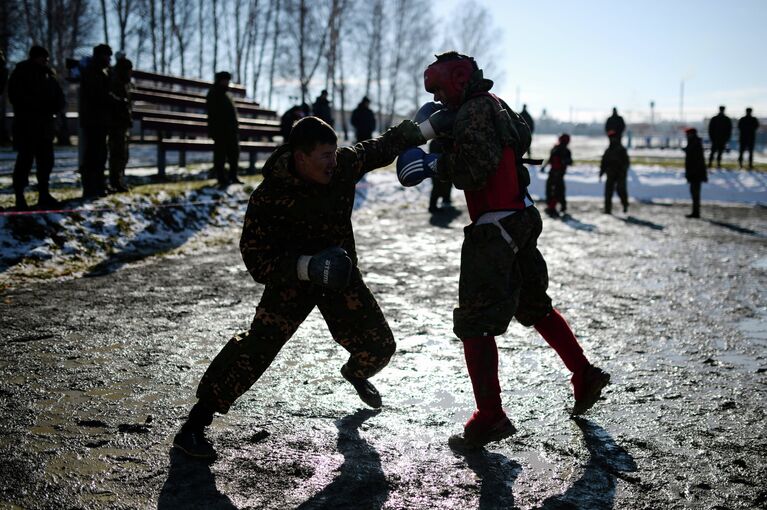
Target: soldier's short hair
102,49
37,52
309,132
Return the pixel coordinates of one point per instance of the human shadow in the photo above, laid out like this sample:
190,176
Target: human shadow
497,474
191,484
734,228
443,216
361,483
631,220
595,489
576,224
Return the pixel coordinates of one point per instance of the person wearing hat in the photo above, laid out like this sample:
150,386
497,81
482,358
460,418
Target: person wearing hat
363,120
96,105
560,158
120,123
298,241
36,96
223,128
615,164
694,168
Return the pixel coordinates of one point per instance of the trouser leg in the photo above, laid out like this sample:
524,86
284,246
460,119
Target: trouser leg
44,157
481,354
219,161
609,190
557,333
233,156
695,194
623,193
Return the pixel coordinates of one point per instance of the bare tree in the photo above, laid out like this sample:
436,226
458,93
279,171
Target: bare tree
200,36
215,35
180,22
274,6
474,33
105,21
123,8
275,47
309,30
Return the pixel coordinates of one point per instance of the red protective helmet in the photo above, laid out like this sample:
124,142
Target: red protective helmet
450,74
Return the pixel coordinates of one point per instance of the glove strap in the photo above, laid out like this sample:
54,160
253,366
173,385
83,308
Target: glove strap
303,267
427,130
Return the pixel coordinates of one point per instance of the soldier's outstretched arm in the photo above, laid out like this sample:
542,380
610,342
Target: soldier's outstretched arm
381,151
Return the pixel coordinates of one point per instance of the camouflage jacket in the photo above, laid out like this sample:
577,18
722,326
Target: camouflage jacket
288,216
478,146
615,161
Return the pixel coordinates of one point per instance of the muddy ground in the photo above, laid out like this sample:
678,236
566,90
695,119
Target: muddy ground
97,373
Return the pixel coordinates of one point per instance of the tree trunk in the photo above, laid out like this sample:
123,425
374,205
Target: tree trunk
104,20
275,46
215,36
200,37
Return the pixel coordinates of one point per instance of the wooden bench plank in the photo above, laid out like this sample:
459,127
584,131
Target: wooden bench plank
235,88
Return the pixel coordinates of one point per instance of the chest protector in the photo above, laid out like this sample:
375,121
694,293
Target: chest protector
506,188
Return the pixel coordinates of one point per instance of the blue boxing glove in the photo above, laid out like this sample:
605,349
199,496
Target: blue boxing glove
425,111
414,165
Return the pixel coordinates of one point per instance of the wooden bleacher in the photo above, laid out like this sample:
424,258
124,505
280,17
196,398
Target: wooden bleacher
171,112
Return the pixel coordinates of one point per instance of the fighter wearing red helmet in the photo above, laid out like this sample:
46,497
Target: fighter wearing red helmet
503,275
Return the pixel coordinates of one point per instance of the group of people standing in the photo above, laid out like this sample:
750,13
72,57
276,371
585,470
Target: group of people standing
105,119
720,133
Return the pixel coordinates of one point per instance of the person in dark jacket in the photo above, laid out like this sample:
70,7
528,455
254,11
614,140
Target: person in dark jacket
530,123
298,241
120,123
747,128
364,120
615,123
96,104
694,168
293,114
560,158
223,128
615,164
321,108
36,96
719,132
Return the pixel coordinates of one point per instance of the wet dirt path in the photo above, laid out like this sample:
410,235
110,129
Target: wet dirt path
97,373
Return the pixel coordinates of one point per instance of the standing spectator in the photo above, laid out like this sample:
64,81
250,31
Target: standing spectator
298,241
363,120
560,158
223,128
96,103
440,189
120,123
747,127
719,132
615,123
36,96
288,119
694,168
3,80
615,163
530,123
321,108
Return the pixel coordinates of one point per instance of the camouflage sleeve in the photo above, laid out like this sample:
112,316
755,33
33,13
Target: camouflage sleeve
476,151
266,258
378,152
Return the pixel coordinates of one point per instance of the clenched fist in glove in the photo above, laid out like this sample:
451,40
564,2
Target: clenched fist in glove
414,165
330,268
434,120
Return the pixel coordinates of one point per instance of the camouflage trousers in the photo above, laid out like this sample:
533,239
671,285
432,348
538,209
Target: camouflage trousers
503,275
353,317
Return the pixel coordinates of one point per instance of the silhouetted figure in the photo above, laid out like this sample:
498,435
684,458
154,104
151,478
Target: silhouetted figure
694,168
560,158
223,128
363,120
321,108
615,164
289,118
120,123
615,123
747,128
3,81
96,103
439,189
530,123
719,132
36,96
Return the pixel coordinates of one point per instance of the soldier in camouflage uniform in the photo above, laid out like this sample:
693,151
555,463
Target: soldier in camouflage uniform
503,274
120,122
615,164
298,241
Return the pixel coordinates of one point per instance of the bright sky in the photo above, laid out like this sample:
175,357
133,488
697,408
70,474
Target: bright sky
587,56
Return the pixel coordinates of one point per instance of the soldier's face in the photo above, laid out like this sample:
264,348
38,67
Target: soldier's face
319,165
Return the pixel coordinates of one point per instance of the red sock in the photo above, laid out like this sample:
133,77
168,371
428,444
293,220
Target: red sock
557,333
481,355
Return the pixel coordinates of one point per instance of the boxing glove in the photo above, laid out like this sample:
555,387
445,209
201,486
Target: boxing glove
330,268
414,165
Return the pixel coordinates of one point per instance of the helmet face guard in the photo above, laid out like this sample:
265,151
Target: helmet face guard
450,77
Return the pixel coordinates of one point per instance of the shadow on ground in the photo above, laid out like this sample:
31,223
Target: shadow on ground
191,484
